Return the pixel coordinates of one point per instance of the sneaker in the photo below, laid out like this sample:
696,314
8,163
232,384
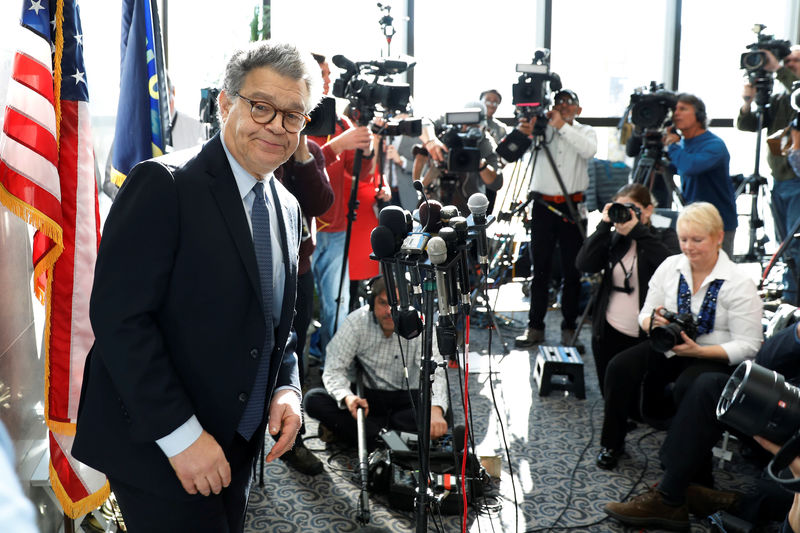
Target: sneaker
704,501
649,510
531,337
566,340
302,460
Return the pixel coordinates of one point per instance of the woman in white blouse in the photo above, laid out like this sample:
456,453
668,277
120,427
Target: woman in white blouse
724,304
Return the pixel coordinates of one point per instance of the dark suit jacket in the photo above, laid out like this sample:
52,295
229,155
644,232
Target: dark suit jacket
176,311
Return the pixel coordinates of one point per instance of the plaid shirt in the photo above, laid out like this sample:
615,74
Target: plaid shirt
360,337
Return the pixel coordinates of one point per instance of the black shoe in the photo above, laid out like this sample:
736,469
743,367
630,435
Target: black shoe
302,460
607,458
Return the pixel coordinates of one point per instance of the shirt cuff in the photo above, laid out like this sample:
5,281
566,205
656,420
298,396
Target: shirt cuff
181,438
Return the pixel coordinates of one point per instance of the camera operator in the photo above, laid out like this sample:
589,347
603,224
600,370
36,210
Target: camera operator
726,330
702,160
455,187
627,256
398,163
686,456
786,184
366,337
339,151
572,144
491,98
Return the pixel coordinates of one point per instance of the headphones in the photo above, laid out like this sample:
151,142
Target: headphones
700,112
372,289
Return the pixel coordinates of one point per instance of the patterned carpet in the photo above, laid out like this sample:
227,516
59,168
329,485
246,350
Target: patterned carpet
552,441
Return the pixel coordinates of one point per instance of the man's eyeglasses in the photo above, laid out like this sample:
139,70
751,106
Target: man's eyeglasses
490,103
264,113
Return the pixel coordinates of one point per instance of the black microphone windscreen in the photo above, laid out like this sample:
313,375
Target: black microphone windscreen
383,242
460,225
449,237
458,438
394,218
448,212
344,63
430,216
418,186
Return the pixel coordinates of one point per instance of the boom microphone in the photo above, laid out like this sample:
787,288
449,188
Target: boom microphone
344,64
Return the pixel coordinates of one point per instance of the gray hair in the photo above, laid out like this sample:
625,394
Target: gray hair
284,58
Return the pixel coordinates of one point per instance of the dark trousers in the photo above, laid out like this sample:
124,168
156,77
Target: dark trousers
146,512
304,307
605,345
686,452
387,409
547,230
623,384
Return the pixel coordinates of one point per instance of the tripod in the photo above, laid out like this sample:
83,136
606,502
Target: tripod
652,164
753,183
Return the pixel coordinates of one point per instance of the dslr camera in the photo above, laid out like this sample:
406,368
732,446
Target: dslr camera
369,88
619,213
663,338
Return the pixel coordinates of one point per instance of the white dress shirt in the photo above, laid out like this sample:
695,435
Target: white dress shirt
571,147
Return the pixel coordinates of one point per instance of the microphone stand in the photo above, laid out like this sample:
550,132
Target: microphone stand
352,205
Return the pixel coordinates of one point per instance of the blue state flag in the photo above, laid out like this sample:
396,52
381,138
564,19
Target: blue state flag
140,131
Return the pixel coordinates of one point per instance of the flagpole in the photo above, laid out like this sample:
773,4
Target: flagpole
163,92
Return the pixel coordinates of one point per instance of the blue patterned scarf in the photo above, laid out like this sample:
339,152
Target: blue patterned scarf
708,310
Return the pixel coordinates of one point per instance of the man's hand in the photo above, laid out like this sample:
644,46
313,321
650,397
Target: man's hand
284,418
526,125
438,423
748,94
202,467
772,62
671,137
436,149
353,402
556,120
353,139
384,194
302,154
391,153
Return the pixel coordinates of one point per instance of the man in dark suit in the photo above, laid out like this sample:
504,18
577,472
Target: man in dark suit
192,307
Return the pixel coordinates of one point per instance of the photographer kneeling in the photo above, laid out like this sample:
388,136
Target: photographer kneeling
366,338
628,256
718,325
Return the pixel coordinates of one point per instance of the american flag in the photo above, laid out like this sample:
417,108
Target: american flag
47,177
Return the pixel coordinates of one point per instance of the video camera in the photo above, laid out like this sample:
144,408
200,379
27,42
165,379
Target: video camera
463,150
410,127
651,110
380,94
663,338
531,98
755,61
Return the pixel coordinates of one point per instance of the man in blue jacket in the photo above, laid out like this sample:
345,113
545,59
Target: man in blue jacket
702,160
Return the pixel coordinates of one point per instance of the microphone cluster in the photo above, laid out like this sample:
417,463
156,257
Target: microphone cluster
438,247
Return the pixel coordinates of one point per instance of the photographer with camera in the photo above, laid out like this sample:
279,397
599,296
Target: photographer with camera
777,116
716,324
366,338
627,249
702,160
573,145
686,454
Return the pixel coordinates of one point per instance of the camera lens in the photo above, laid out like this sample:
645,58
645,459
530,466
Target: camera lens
663,338
757,401
618,213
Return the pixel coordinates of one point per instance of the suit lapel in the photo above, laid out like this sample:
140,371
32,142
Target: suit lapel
226,193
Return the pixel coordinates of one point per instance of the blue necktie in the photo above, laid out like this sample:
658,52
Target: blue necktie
254,410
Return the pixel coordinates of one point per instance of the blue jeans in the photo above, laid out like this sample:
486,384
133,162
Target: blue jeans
326,263
786,207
